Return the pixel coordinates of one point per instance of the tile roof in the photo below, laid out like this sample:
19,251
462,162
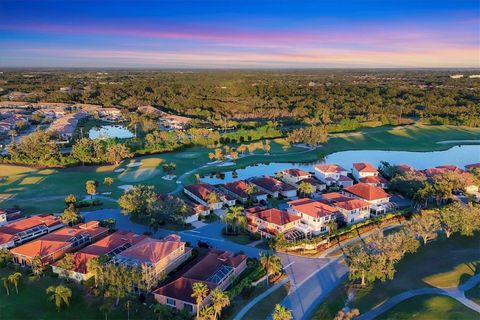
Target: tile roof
47,220
404,167
352,204
366,191
295,172
201,190
364,167
181,289
335,197
276,216
472,165
238,187
315,209
374,179
271,184
151,250
312,181
329,168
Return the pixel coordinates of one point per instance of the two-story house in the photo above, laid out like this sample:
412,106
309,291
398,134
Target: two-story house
379,200
270,222
363,169
274,187
240,190
315,214
203,193
333,174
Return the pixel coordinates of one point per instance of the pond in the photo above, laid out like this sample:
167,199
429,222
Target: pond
459,156
110,131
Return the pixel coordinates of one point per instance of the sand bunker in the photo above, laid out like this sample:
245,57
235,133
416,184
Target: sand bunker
119,170
138,175
134,164
125,187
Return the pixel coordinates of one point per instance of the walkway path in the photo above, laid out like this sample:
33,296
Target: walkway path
457,293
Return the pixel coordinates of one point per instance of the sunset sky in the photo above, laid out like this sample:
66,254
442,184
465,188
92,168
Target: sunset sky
240,34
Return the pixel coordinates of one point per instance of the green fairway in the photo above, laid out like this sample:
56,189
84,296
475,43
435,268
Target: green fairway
43,190
32,302
446,262
429,308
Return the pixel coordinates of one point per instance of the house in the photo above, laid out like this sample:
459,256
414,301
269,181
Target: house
403,168
333,197
200,192
377,197
8,215
353,210
239,190
376,181
54,245
109,246
317,184
432,172
154,258
333,174
270,222
20,231
313,213
112,114
172,122
217,269
65,126
150,110
274,187
193,210
292,176
363,169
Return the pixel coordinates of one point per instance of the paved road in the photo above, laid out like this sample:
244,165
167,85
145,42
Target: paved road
457,293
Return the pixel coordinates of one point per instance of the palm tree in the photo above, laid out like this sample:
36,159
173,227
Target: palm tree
271,263
207,313
251,190
127,307
281,313
13,134
306,188
5,256
235,215
162,310
220,300
60,295
332,226
37,266
106,308
14,278
200,293
213,198
5,285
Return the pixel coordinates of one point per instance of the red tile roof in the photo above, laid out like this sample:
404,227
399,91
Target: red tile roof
315,209
151,250
47,220
276,216
335,197
472,165
404,168
239,188
271,184
312,181
201,190
366,191
181,289
374,180
352,204
364,167
329,168
295,172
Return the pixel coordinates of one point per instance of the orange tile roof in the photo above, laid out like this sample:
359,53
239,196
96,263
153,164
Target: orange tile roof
329,168
315,209
201,190
295,172
366,191
352,204
472,165
276,216
181,289
374,179
21,225
40,247
364,167
271,184
335,196
151,250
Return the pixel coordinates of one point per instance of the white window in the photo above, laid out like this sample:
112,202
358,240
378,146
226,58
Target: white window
171,302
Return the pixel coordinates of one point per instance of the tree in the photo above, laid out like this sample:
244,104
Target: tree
59,295
163,311
5,285
200,293
94,266
5,256
207,313
281,313
219,300
70,199
359,263
70,215
105,308
425,226
251,190
13,133
213,198
37,266
306,188
14,279
267,147
351,314
235,216
140,200
91,187
67,264
332,226
271,264
117,152
451,218
108,181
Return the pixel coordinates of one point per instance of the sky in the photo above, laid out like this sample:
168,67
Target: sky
240,34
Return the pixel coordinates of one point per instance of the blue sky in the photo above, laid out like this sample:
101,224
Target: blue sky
239,34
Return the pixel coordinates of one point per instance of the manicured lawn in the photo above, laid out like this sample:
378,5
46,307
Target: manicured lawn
43,190
428,308
32,302
446,262
240,239
265,306
474,294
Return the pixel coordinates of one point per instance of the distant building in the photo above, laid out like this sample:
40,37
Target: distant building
274,187
333,174
363,169
456,76
239,190
112,114
293,176
200,192
376,181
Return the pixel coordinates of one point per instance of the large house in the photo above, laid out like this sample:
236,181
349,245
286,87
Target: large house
8,215
333,174
54,245
200,192
270,222
313,213
21,231
376,181
363,169
217,269
239,190
109,247
377,197
274,187
292,176
353,210
154,258
112,114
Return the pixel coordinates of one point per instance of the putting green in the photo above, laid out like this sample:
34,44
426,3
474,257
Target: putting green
138,175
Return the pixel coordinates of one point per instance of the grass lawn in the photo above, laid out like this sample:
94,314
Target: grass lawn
445,262
32,302
474,294
430,307
240,239
43,190
241,301
265,306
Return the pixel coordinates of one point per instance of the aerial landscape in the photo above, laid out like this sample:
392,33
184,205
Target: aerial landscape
239,160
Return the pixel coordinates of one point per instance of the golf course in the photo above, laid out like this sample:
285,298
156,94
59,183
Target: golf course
37,190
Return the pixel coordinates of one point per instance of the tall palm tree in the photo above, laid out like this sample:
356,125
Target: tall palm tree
200,293
251,190
271,263
220,300
213,197
60,295
37,266
236,216
306,188
14,278
207,313
281,313
5,285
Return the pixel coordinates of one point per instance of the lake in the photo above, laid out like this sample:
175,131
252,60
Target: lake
458,155
110,131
